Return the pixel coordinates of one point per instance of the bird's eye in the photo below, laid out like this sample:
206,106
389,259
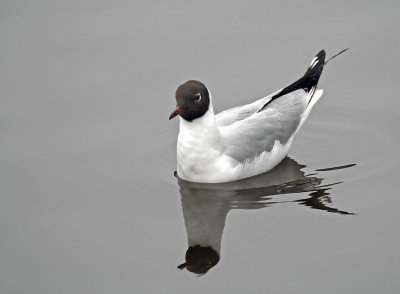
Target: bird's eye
208,264
198,97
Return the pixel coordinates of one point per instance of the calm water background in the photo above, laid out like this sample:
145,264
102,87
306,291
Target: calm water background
88,200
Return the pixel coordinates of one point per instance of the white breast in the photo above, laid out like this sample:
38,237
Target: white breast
200,151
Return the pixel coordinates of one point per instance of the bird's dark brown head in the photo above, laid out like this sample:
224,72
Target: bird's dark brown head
192,100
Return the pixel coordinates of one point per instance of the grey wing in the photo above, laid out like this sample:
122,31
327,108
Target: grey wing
258,132
230,116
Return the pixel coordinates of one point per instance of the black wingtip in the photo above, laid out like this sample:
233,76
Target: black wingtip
310,78
316,63
308,82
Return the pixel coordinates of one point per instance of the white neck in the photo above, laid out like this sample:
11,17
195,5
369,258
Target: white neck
199,145
206,124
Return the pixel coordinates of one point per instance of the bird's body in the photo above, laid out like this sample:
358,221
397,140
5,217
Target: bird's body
244,141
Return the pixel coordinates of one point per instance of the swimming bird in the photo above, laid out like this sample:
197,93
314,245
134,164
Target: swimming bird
243,141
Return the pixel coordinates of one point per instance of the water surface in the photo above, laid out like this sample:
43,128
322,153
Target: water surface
88,198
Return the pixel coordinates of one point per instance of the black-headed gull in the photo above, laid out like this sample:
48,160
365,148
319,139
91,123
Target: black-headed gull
243,141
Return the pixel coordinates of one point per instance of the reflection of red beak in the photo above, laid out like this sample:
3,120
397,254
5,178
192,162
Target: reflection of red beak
176,112
182,266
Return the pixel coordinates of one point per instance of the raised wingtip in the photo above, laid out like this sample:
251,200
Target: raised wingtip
319,59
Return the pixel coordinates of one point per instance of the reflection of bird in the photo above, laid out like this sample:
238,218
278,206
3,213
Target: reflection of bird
205,206
244,141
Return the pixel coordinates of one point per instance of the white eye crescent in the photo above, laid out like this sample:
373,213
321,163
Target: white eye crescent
198,97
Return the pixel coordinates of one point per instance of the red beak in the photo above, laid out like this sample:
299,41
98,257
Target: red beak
176,112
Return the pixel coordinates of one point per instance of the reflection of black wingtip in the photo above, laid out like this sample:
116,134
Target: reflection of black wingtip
328,185
317,202
336,167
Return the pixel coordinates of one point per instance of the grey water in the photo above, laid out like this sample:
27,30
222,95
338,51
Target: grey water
88,198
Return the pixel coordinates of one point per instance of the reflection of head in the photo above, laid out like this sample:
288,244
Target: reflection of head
200,260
